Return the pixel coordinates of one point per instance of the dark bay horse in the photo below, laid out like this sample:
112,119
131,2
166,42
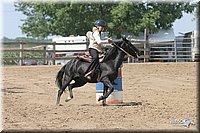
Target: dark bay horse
75,70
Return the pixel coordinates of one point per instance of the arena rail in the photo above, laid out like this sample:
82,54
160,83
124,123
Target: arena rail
42,49
173,51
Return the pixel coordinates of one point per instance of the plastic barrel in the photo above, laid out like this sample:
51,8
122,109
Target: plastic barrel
116,96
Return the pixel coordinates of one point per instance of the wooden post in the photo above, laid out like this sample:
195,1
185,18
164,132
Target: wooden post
44,55
87,43
21,62
146,45
54,53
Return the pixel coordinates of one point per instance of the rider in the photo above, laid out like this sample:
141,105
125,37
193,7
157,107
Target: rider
95,46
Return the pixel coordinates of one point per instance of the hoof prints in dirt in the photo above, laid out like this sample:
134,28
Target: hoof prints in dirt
12,90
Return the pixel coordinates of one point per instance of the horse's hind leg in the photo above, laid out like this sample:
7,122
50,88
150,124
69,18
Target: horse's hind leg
66,82
60,92
78,83
70,96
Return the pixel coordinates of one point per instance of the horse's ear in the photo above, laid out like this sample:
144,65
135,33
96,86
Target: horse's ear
124,38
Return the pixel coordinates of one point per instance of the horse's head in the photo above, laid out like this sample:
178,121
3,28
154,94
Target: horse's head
128,47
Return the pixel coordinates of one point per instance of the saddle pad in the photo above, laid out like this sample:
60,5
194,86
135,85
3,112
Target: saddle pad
88,58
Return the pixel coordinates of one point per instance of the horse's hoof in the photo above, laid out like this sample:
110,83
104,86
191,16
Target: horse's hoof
58,104
100,98
104,104
67,100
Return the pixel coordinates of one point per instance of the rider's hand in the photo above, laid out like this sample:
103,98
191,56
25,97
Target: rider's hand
109,40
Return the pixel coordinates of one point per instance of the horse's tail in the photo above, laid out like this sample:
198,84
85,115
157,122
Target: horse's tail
59,77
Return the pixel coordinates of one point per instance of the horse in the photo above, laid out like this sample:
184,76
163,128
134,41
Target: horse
75,70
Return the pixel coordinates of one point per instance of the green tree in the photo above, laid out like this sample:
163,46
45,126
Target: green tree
44,19
198,10
135,17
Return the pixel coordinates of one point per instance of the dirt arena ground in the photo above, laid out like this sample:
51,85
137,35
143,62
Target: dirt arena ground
162,95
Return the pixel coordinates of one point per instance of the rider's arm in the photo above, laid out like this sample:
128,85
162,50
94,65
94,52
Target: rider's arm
103,43
98,39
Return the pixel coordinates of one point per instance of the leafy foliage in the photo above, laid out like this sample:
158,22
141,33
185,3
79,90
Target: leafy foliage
44,19
198,10
135,17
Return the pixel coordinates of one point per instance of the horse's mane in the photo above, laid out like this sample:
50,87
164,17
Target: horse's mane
111,52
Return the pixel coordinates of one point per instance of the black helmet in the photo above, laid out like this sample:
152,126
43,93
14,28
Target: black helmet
100,22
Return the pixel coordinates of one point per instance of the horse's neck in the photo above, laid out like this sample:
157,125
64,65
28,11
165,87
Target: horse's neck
115,56
119,59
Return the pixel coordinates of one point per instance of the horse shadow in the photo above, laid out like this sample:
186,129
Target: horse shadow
117,104
127,104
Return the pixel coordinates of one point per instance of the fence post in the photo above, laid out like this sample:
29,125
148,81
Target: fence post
193,46
21,62
44,55
87,43
54,53
146,45
175,50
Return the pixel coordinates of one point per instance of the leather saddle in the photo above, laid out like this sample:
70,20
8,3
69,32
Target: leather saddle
86,57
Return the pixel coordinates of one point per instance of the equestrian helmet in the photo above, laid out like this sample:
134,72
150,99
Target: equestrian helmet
100,22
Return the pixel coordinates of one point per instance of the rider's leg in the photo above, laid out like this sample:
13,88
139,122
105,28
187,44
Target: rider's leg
94,63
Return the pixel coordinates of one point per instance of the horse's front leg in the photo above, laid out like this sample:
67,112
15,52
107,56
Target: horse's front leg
105,90
109,85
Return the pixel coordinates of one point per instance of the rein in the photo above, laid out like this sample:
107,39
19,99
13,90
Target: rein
122,50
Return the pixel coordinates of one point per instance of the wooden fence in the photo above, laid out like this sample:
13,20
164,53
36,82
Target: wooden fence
22,49
174,51
43,50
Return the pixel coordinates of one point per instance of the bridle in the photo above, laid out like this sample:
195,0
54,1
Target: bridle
113,43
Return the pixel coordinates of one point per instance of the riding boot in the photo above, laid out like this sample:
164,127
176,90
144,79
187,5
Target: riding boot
98,71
